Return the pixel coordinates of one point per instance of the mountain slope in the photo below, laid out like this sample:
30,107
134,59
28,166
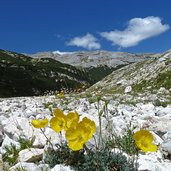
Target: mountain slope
148,80
21,75
99,63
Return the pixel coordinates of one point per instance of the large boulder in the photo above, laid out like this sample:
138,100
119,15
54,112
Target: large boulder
30,155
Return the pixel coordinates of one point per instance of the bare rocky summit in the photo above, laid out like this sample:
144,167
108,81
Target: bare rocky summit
95,58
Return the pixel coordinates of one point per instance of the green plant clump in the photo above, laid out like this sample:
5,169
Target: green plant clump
93,160
11,154
105,161
20,169
125,143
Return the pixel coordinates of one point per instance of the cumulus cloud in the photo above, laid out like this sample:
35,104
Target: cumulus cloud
138,29
88,41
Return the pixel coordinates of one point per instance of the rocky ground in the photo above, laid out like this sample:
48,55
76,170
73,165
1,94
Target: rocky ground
17,113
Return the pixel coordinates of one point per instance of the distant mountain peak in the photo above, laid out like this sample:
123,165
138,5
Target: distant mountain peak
94,58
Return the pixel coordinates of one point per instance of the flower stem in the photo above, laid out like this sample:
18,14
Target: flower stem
100,123
46,138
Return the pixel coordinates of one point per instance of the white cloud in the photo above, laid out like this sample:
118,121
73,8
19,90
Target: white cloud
88,41
138,29
61,53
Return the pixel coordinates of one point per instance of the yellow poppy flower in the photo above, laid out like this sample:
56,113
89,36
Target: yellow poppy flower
57,123
90,125
77,137
40,123
143,140
60,95
71,120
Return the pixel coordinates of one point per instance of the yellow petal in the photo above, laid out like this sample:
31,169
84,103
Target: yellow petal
77,139
80,134
71,119
40,123
71,134
75,146
143,134
152,147
148,148
57,124
90,125
58,113
72,115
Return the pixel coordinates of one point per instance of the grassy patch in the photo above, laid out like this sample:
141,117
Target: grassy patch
11,154
125,142
140,87
163,80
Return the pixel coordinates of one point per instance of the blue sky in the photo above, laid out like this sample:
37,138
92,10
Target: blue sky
138,26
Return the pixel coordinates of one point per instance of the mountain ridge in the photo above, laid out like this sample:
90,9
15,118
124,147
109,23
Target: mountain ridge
87,59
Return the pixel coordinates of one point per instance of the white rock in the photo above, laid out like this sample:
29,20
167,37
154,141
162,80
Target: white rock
162,124
44,167
147,107
39,139
162,90
162,59
128,89
8,142
147,110
30,155
166,146
53,136
167,136
1,135
2,118
122,82
60,167
141,115
162,111
83,105
1,163
153,162
16,127
30,167
157,139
